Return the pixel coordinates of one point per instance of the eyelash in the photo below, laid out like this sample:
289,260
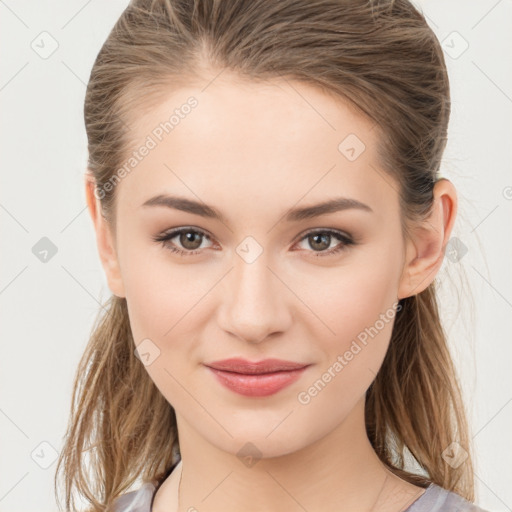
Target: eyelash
165,238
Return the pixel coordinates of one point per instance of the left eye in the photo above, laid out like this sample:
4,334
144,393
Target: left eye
322,238
191,240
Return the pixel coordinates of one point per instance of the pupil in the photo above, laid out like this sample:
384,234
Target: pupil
189,238
323,238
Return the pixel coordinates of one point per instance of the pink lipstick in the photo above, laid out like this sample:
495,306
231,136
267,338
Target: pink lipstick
260,378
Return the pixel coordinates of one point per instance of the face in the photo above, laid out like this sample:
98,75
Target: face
265,278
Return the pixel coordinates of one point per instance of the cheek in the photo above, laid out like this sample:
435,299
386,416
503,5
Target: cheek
359,306
159,292
361,311
166,306
352,297
161,300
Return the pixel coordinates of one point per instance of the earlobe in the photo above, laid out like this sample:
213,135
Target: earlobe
425,250
104,239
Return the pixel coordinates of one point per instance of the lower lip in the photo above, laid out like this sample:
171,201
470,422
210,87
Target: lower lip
257,385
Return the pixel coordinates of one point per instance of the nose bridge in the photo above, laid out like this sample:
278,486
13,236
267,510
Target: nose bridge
253,305
252,281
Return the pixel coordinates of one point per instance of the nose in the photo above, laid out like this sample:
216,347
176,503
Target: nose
254,301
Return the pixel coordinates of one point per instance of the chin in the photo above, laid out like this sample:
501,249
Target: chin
260,443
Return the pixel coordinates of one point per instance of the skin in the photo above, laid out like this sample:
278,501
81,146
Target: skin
253,151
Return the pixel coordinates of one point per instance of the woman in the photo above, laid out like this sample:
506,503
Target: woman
264,185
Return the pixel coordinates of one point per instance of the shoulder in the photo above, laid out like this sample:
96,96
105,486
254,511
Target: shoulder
135,501
438,499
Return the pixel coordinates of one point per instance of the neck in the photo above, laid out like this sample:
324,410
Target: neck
339,472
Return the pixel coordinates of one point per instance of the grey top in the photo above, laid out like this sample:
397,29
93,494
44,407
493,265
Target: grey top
434,499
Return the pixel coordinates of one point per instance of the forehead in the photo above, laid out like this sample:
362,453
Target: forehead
275,142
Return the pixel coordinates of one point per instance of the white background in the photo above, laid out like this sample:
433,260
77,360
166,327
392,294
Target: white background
47,309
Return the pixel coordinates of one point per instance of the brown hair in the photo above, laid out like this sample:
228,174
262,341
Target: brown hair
382,57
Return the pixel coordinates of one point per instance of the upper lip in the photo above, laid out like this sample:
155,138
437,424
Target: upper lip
239,365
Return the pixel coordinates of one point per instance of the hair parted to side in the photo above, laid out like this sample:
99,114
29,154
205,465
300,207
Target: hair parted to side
380,55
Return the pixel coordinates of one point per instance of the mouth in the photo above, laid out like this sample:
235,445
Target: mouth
257,379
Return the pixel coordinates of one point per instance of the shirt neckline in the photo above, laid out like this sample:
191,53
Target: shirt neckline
428,489
157,483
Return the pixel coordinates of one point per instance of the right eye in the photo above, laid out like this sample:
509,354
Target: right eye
188,238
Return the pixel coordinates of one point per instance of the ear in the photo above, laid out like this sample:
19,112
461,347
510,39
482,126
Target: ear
104,238
426,246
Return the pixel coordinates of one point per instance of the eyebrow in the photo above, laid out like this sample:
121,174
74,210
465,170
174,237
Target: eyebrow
293,215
